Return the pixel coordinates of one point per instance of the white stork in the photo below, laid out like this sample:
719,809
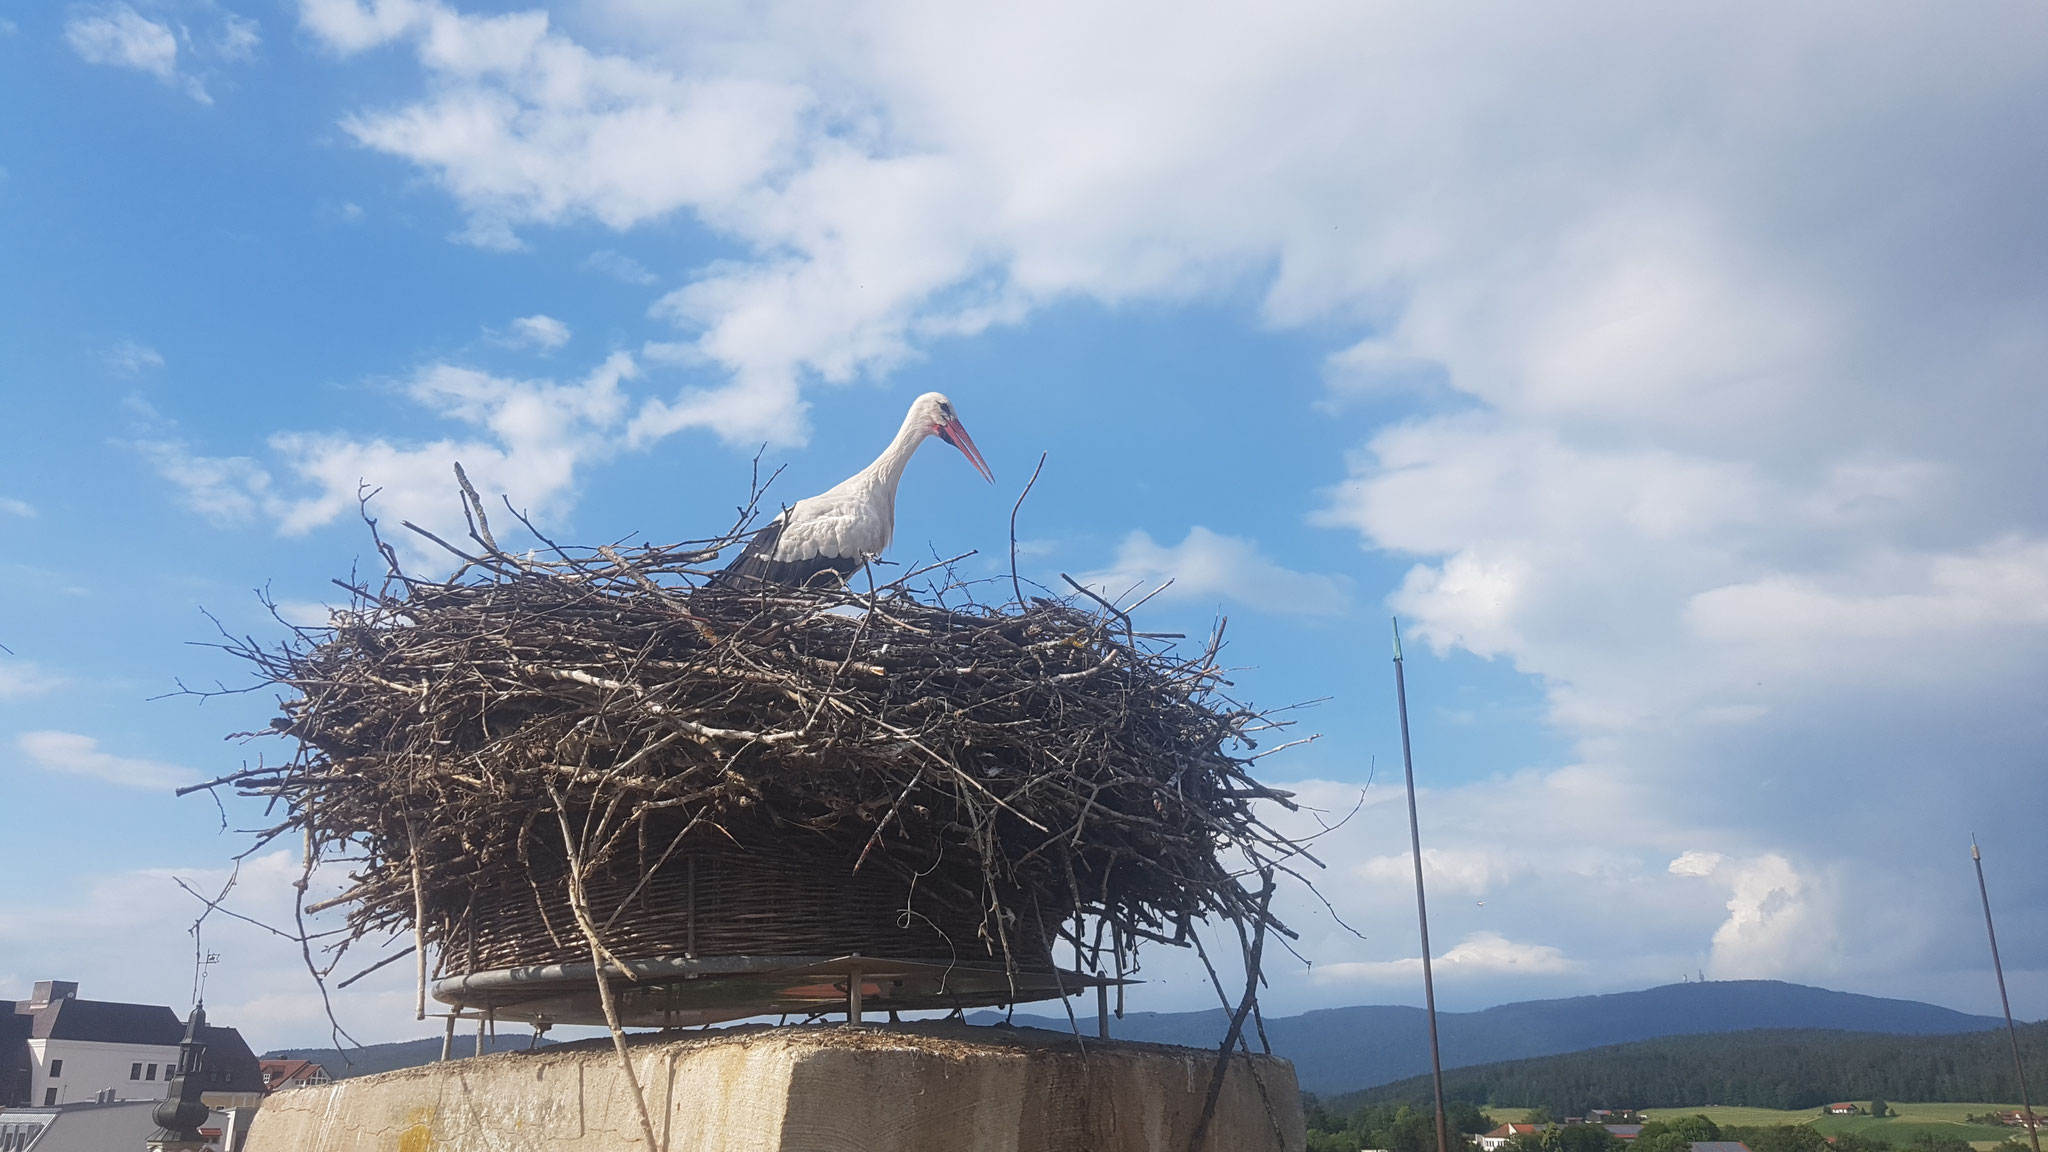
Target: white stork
843,528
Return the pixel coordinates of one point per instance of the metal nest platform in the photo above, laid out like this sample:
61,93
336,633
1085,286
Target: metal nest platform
680,992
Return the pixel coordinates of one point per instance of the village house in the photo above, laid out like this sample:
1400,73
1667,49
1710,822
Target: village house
1491,1141
1843,1109
281,1074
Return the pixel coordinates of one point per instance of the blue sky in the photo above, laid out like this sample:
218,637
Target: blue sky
1675,374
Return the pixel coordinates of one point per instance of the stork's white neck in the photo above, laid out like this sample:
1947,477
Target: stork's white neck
887,470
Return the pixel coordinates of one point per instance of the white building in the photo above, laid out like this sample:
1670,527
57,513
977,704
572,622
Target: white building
81,1051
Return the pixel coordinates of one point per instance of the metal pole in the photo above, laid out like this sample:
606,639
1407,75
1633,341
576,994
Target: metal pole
1436,1064
2020,1069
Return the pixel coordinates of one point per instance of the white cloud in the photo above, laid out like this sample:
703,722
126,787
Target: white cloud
24,678
1467,871
132,359
526,439
13,507
78,755
543,332
119,36
1208,566
1776,926
224,489
1925,602
1694,862
1480,954
124,38
349,26
306,613
238,38
619,266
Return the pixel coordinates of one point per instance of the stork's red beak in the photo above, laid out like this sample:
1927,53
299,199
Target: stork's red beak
955,433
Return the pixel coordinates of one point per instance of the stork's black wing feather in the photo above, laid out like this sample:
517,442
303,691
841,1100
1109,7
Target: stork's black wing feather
757,565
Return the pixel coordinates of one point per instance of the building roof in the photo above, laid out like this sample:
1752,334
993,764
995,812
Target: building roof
228,1062
89,1127
1514,1129
1719,1146
1625,1131
104,1021
276,1072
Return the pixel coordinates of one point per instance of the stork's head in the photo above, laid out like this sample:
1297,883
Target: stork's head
934,413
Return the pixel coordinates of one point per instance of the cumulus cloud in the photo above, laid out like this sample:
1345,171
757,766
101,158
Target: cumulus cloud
1210,566
1776,926
77,755
14,507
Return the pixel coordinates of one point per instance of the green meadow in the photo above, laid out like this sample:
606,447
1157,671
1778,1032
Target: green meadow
1907,1120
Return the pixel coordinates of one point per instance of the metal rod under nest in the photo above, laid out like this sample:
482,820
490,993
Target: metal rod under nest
2019,1069
1436,1063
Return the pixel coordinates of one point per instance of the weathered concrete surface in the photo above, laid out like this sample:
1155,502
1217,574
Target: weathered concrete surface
907,1088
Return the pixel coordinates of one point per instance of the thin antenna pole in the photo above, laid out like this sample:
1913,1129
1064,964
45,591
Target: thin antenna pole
1436,1064
2027,1106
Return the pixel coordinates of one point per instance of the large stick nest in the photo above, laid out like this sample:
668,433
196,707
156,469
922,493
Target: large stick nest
1040,764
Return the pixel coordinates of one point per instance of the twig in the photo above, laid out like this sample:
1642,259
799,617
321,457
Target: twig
1244,1006
1014,582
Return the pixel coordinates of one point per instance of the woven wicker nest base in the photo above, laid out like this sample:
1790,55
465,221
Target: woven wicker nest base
681,992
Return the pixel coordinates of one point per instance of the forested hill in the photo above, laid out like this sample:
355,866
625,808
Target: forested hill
1772,1068
1343,1049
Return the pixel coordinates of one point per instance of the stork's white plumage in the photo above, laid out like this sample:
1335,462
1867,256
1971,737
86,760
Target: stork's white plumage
839,530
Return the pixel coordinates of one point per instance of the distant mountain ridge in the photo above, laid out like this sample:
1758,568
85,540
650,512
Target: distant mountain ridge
370,1058
1347,1049
1772,1068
